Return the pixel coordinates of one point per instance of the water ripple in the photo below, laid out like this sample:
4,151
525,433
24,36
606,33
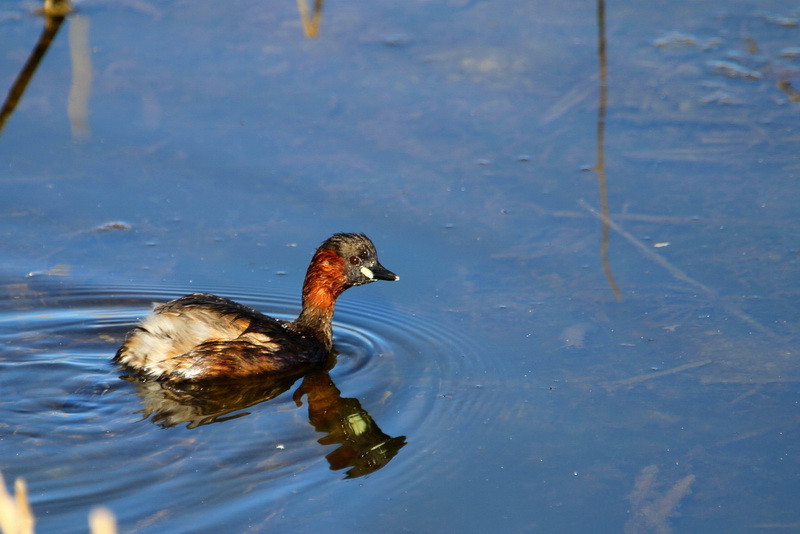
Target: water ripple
403,388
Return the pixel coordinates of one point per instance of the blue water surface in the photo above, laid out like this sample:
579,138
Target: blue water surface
534,369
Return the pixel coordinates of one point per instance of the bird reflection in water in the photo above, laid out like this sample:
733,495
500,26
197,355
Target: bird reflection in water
363,446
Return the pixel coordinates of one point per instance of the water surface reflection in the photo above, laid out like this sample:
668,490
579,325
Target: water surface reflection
70,407
462,133
362,447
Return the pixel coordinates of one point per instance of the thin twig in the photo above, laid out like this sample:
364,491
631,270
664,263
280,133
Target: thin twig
678,273
658,374
644,249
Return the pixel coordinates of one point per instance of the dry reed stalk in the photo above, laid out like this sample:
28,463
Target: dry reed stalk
15,511
16,516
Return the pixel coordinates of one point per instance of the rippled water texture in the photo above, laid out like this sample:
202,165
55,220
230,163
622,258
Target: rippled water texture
236,452
592,209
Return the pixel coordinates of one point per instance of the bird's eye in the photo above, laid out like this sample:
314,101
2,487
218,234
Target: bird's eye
355,260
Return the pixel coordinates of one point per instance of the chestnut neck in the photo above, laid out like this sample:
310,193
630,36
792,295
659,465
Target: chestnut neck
325,281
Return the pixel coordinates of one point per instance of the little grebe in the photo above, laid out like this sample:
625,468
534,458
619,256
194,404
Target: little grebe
202,336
